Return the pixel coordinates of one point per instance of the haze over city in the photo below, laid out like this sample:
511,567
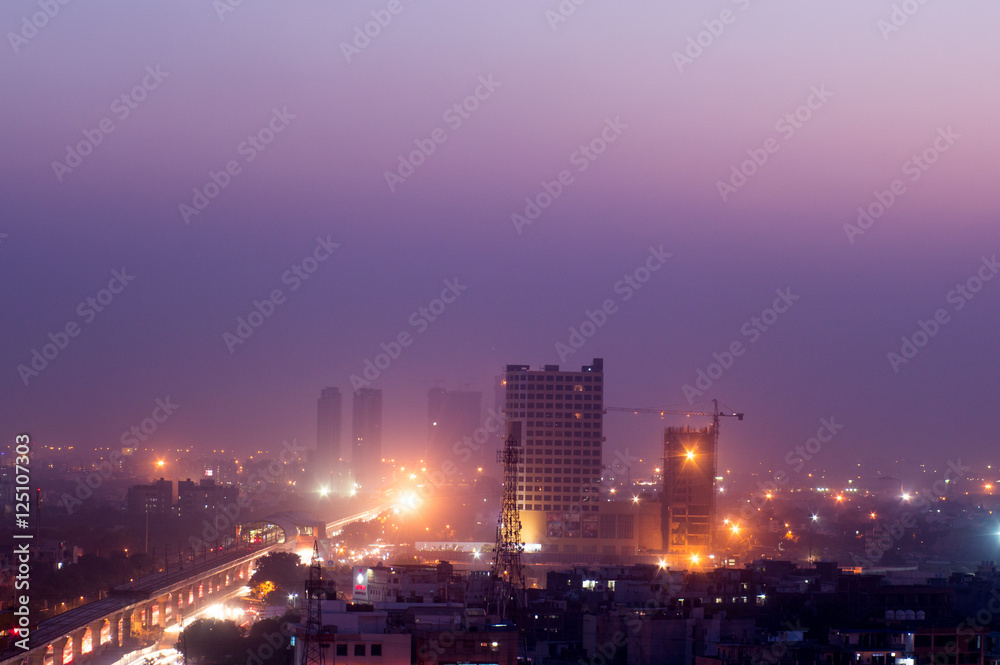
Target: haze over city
521,333
352,115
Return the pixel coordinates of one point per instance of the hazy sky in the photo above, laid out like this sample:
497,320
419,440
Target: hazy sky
642,109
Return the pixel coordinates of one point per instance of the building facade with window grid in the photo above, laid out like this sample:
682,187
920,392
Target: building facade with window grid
561,414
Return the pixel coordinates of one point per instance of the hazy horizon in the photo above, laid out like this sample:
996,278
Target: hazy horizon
875,105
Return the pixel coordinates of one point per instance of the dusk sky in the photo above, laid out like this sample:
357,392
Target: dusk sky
835,100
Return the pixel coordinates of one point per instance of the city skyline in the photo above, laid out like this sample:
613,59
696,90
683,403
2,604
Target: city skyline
807,185
536,332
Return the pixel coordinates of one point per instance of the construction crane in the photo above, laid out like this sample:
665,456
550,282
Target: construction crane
715,413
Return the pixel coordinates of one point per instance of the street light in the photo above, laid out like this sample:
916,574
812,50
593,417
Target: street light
814,519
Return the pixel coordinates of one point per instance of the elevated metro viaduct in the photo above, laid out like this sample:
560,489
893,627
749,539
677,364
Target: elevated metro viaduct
136,609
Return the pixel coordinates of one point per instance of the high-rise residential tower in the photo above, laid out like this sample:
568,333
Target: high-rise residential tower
328,419
558,490
451,416
366,458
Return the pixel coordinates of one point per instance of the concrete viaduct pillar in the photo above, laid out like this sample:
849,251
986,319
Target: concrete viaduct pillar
58,649
77,637
95,634
128,628
123,633
161,606
146,616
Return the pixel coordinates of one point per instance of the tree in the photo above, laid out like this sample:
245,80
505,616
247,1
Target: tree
284,569
269,641
264,589
212,642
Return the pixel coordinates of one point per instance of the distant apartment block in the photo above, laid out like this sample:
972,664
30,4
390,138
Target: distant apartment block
366,458
154,499
204,497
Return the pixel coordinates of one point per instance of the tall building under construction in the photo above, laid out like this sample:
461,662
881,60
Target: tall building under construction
688,499
565,508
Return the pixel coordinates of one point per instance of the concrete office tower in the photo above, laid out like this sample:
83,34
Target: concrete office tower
328,458
366,458
328,419
558,490
451,416
688,508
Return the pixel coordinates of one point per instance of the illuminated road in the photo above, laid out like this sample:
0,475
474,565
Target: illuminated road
134,595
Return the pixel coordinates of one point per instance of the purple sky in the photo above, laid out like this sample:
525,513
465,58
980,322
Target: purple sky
887,96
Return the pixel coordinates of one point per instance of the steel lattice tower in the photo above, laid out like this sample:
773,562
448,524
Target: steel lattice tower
312,651
506,597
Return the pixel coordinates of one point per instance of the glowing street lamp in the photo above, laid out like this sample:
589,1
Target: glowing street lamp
815,518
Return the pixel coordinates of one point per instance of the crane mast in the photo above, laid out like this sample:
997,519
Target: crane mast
716,414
